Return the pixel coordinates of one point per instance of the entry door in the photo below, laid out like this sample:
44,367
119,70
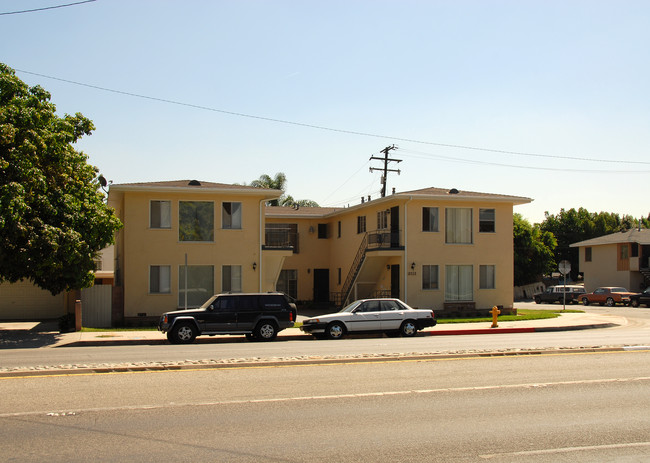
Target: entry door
321,285
395,277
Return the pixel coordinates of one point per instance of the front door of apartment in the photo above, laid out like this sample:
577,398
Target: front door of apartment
321,285
394,280
394,227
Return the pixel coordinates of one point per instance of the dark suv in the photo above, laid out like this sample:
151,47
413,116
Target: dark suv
260,316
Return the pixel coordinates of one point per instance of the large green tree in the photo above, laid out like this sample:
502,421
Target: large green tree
53,218
533,251
279,182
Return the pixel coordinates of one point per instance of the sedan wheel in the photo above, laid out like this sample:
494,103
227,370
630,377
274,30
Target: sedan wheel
610,302
408,329
335,330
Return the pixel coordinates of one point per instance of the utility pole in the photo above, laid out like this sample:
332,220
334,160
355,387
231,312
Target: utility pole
386,160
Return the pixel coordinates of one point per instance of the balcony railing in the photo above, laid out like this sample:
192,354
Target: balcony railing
278,238
384,239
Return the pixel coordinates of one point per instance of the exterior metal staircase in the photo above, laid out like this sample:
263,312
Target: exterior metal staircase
354,270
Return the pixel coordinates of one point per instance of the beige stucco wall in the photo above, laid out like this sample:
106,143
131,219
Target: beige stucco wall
139,247
602,270
423,248
25,301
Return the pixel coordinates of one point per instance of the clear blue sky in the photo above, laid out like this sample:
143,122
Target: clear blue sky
445,81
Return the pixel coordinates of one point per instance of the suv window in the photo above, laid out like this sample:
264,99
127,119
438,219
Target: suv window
248,303
225,303
273,302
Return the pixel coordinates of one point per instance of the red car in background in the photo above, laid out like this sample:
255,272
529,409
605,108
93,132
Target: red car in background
607,295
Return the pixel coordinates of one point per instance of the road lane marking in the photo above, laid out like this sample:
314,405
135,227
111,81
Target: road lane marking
77,411
566,450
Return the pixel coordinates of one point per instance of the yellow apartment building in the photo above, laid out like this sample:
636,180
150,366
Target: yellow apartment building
182,241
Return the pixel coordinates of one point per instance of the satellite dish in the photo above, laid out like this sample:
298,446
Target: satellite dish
102,181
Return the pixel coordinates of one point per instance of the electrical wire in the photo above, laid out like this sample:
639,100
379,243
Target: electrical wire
46,8
330,129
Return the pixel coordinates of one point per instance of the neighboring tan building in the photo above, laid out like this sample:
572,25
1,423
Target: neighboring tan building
432,248
618,259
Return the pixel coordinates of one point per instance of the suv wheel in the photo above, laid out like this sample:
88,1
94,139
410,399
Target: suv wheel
184,333
265,331
634,303
538,300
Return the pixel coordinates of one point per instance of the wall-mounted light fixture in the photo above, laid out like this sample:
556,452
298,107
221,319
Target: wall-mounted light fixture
254,265
388,267
308,270
413,266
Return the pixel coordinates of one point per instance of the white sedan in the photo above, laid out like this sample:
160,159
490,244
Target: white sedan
390,316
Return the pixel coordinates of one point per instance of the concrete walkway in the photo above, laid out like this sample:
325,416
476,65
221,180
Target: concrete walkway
25,334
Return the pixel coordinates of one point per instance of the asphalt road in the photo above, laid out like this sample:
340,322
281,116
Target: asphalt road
537,408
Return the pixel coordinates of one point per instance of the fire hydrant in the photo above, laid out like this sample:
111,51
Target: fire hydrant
495,313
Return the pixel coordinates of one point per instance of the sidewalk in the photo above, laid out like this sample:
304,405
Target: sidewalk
565,322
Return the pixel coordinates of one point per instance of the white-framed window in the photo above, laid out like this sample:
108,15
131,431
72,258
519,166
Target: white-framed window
160,277
231,216
430,277
459,282
430,219
458,225
382,220
486,275
160,214
231,278
198,286
195,221
486,221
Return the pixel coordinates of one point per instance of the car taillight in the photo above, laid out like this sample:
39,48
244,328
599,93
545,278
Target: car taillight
433,315
291,316
164,318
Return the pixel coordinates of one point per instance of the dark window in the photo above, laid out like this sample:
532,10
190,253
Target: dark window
390,305
339,225
361,224
634,250
369,306
322,231
588,254
248,303
486,220
430,219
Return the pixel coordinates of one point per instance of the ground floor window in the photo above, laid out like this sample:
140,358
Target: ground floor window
195,285
288,283
459,282
231,278
429,277
486,276
160,279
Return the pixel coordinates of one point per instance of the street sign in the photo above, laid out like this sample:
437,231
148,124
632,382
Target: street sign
564,267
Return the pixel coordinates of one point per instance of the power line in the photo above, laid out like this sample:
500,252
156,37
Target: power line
47,8
330,129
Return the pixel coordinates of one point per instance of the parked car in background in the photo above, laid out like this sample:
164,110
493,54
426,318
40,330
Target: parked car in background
640,298
390,316
259,316
607,295
558,293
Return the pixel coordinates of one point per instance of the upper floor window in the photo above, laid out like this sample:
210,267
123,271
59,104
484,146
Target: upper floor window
486,221
458,225
430,219
322,231
160,214
196,221
382,220
361,224
231,216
